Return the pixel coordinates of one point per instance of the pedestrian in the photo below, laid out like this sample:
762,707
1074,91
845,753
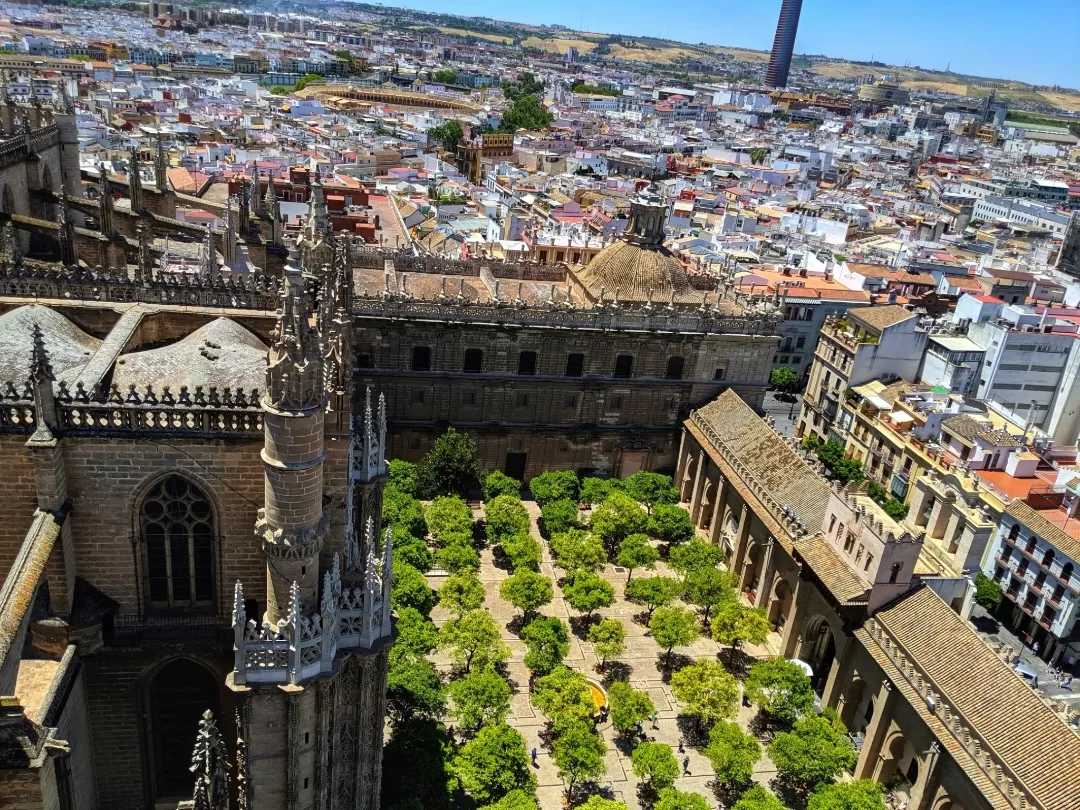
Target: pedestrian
1035,649
686,766
534,757
655,719
682,747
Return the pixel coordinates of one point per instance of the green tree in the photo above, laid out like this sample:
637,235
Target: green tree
596,490
525,83
522,551
814,752
653,592
987,592
735,623
415,632
650,489
450,468
505,517
444,76
842,469
404,785
598,802
862,794
617,518
577,550
672,627
759,798
654,762
403,476
784,380
781,689
448,519
555,485
578,753
563,695
460,594
670,523
635,552
706,691
528,591
410,589
589,592
458,557
473,640
413,687
447,135
628,707
402,509
409,550
608,638
499,483
733,753
493,763
558,516
708,588
481,698
547,641
514,800
672,799
697,555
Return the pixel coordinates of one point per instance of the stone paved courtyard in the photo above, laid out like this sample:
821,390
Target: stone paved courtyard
642,658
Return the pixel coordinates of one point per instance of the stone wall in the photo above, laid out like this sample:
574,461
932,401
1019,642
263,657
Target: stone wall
19,499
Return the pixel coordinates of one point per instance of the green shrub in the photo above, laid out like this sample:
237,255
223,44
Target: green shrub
558,516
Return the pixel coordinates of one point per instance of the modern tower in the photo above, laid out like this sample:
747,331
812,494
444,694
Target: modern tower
783,44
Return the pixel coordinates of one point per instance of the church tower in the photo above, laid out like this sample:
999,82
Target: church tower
310,673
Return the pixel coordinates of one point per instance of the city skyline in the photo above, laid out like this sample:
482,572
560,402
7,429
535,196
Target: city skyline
842,29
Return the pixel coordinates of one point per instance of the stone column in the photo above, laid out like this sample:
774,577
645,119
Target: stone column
680,462
839,672
793,628
718,510
765,580
939,518
705,505
695,492
925,788
870,757
741,537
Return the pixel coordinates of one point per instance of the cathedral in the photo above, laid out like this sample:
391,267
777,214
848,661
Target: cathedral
195,450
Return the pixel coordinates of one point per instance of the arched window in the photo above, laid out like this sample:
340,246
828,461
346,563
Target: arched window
177,526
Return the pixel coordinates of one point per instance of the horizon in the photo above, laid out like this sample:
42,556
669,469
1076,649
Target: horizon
824,30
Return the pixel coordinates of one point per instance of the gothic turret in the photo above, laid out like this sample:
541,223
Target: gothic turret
105,203
161,166
134,183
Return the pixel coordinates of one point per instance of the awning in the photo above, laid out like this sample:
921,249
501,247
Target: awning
901,417
878,402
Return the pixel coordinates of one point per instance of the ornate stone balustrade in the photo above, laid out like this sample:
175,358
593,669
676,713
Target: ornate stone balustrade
40,280
300,647
14,149
558,314
963,731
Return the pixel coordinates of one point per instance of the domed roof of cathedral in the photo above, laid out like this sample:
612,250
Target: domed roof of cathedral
69,347
221,353
638,268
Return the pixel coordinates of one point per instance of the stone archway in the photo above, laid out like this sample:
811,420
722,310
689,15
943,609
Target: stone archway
818,650
780,603
898,759
729,534
751,570
854,716
175,698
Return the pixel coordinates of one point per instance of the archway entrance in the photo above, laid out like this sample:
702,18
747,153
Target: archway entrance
780,604
899,765
751,570
818,650
178,695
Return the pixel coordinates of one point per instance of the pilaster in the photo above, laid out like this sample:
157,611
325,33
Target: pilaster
869,757
767,573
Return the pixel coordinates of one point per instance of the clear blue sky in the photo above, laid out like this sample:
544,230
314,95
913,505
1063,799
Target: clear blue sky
1034,41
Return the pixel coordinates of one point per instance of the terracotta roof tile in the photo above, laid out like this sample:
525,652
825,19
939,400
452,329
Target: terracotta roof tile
1045,528
880,317
831,569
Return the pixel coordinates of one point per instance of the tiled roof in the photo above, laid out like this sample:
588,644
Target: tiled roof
639,274
770,459
831,569
1038,523
1018,728
965,426
880,317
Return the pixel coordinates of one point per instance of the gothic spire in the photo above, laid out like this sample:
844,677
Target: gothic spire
160,167
66,233
294,374
105,202
210,764
144,268
40,367
228,238
208,265
270,198
9,244
134,182
316,224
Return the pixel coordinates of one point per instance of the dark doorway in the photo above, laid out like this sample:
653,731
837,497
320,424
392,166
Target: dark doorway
515,465
179,694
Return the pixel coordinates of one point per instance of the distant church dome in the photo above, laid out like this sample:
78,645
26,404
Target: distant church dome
638,268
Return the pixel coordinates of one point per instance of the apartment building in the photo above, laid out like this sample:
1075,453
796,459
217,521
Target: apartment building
883,343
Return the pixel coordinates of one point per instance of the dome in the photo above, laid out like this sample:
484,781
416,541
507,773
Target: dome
220,354
638,273
69,347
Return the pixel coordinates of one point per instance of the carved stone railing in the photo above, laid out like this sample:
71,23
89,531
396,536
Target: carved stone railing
299,647
13,149
406,262
782,513
41,280
202,413
962,730
648,318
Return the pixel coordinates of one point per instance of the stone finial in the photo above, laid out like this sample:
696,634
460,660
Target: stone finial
144,268
105,202
210,764
161,180
294,373
40,367
208,264
134,182
9,245
65,232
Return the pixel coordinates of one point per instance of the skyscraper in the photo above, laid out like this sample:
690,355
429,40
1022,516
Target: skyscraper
783,44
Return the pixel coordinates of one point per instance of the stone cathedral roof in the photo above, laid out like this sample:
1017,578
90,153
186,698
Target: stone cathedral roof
638,273
220,354
68,346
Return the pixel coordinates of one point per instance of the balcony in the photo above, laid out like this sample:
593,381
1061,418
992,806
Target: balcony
133,630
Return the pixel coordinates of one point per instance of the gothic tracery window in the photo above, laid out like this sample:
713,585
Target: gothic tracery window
177,526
